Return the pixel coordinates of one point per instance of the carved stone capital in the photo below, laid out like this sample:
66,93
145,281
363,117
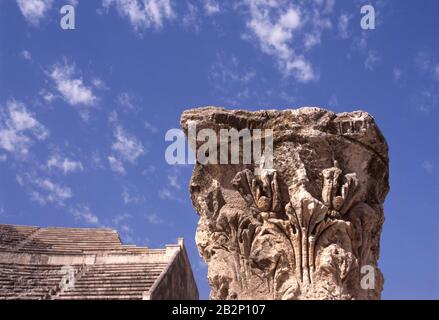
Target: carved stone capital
307,228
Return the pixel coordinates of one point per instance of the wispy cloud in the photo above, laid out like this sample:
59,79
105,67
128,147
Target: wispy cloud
126,148
211,7
83,213
154,219
44,190
47,96
127,101
116,165
26,55
19,129
64,164
166,193
150,127
372,60
34,10
173,180
142,14
343,25
130,196
191,19
231,80
428,166
119,219
427,64
397,74
286,31
71,86
122,224
426,99
172,189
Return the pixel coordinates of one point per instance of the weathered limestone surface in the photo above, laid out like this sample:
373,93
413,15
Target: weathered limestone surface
305,229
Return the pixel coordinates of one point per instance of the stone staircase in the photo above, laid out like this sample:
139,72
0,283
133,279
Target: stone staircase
74,241
78,264
29,281
12,236
114,281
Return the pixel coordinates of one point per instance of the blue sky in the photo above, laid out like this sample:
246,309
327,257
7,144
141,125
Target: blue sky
84,112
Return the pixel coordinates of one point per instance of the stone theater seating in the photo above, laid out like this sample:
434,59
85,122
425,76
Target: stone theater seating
77,263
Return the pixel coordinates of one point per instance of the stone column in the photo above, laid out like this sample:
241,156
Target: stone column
306,226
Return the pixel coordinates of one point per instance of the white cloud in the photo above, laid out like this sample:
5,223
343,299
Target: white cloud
47,96
153,218
18,128
64,164
277,25
227,70
44,190
150,127
397,74
84,213
127,147
343,25
172,189
149,170
427,99
173,181
426,63
211,7
333,101
372,60
128,102
191,18
113,117
128,197
120,218
232,80
70,86
166,193
26,55
428,166
98,83
116,165
96,160
34,10
143,14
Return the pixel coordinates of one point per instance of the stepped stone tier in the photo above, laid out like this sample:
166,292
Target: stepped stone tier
309,226
77,263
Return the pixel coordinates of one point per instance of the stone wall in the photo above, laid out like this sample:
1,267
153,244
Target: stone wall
177,281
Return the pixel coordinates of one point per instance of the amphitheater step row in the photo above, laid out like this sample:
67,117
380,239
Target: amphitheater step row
108,281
